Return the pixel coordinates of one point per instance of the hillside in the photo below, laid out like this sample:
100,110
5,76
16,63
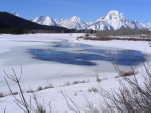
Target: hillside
10,23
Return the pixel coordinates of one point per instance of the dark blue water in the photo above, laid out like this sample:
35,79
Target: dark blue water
86,55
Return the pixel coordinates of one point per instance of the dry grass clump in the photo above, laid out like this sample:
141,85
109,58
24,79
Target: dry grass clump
127,73
98,79
79,82
93,89
2,95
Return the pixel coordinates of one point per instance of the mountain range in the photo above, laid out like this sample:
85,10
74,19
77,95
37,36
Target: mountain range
113,20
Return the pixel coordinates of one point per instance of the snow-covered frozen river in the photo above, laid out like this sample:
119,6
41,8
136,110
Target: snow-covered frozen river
56,58
62,61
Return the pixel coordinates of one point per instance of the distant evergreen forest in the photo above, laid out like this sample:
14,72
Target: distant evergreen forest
122,32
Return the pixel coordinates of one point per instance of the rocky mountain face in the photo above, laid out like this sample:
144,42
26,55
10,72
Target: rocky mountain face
114,20
73,23
147,26
45,20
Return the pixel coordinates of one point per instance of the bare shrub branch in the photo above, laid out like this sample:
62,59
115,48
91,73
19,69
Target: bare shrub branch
22,102
132,97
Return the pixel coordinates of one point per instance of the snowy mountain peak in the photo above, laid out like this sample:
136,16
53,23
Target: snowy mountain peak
16,14
114,15
75,19
114,20
45,20
73,23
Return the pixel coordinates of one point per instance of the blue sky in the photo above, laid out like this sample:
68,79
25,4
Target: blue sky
88,10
